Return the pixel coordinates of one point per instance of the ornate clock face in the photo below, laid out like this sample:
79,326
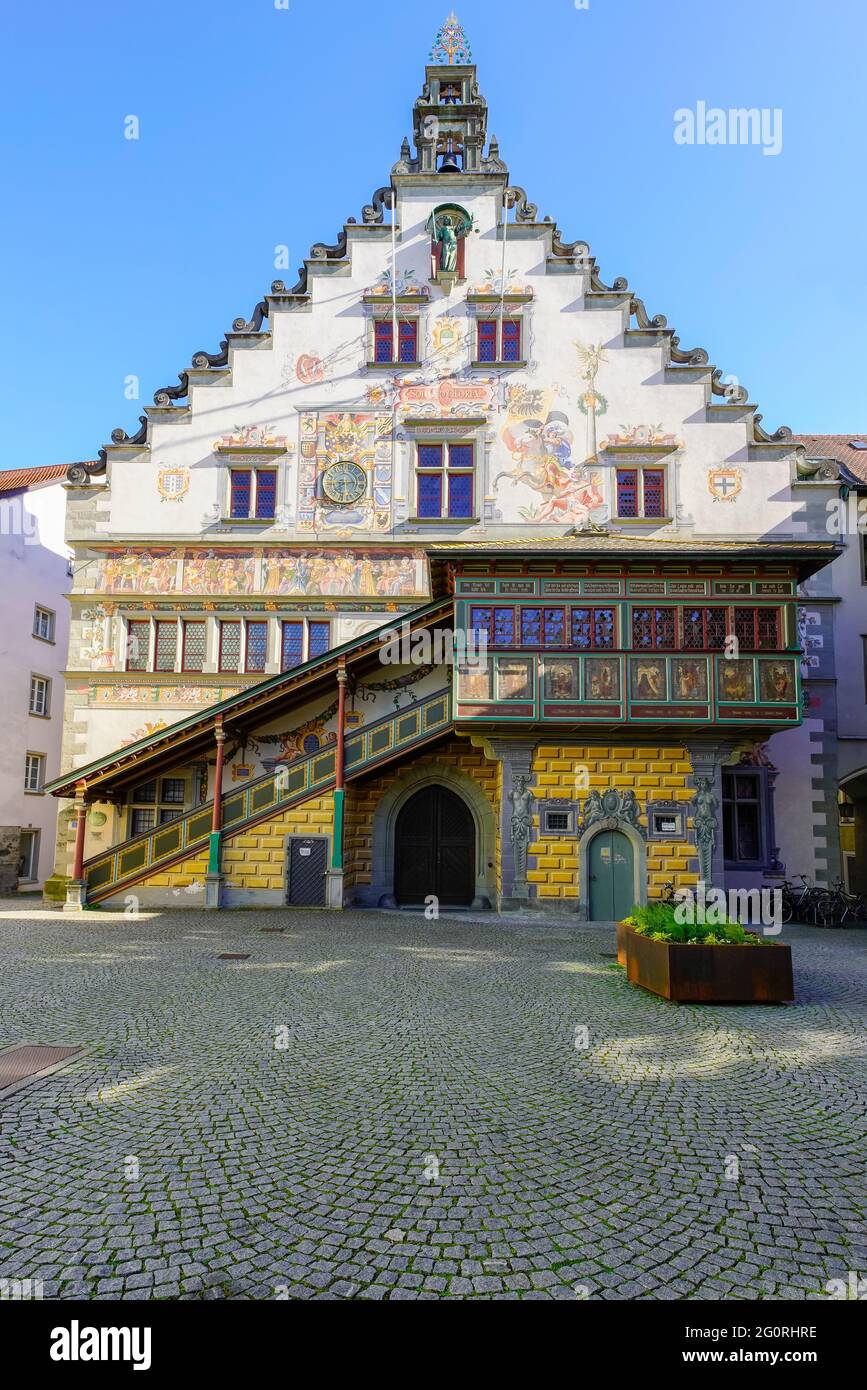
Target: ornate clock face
344,482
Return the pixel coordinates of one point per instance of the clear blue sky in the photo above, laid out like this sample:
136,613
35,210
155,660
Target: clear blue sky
262,126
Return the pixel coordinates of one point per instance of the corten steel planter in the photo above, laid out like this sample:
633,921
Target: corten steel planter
707,974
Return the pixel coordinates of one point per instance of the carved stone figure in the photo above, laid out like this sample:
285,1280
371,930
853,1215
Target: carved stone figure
520,825
705,826
613,809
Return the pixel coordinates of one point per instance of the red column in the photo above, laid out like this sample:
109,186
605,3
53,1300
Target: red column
341,729
217,820
80,826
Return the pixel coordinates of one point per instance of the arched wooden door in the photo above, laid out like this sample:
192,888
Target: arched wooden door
435,849
612,882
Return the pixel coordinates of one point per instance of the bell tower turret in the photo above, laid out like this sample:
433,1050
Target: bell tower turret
450,118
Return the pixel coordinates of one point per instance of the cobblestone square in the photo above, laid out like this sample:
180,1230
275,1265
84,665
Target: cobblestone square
378,1106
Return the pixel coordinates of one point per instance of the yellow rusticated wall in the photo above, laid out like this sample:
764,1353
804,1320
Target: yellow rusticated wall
654,774
253,858
363,798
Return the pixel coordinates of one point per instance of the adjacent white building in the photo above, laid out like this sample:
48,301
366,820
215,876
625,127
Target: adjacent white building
35,570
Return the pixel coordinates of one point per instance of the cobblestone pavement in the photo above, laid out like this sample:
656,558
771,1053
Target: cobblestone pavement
423,1126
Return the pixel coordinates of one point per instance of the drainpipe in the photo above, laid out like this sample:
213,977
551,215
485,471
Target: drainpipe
76,890
214,876
334,878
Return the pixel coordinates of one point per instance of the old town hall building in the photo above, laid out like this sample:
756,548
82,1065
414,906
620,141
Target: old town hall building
451,422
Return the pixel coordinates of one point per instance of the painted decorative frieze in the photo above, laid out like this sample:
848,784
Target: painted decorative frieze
358,448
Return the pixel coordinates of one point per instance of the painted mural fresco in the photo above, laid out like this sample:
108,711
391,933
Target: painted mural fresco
119,696
405,284
138,572
251,437
219,572
541,448
331,437
337,573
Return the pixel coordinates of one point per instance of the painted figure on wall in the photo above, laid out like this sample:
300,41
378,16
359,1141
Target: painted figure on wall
689,679
561,679
736,680
776,680
336,573
601,678
542,452
648,680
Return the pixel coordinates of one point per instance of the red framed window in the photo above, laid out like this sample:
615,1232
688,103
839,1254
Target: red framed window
266,494
291,645
230,646
654,628
240,492
543,627
593,628
407,340
491,347
193,650
445,474
705,629
653,485
640,492
318,639
497,623
256,650
138,642
166,646
757,628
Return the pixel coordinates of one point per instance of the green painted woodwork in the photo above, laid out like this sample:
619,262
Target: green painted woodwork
395,733
612,876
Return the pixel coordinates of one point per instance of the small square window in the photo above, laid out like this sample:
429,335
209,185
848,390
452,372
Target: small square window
557,819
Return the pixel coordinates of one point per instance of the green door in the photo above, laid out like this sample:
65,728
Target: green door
612,890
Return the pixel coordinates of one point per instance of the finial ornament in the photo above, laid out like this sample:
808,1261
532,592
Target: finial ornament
450,45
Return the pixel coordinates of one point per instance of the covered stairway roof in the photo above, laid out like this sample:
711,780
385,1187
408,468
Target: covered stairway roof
189,737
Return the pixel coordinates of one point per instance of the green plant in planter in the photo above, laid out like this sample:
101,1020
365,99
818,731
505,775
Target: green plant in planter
658,922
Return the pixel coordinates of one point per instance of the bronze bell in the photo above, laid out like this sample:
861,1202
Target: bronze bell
449,163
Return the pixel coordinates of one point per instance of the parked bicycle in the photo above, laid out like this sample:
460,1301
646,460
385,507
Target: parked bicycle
830,906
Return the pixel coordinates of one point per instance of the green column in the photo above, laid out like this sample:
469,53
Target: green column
214,848
337,840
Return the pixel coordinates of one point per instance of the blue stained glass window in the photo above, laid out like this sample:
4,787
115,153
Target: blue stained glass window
460,456
627,492
603,627
292,646
266,494
511,340
230,646
480,620
320,639
407,333
654,492
257,646
531,627
487,341
430,494
241,486
460,494
430,456
382,341
554,627
504,627
581,627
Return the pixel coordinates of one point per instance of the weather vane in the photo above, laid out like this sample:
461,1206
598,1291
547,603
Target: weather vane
451,44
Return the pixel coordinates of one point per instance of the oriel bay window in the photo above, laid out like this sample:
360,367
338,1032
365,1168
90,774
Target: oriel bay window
445,481
498,624
757,629
494,346
654,628
543,627
640,492
407,340
593,627
252,494
705,629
